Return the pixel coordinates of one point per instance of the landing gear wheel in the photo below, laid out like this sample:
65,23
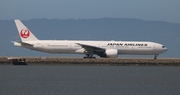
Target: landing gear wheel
89,56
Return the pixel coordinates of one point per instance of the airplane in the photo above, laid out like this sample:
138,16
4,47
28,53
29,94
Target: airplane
104,49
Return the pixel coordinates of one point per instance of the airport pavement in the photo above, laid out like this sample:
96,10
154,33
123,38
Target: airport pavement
96,62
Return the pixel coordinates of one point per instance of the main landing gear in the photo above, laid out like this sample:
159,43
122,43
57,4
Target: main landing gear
89,56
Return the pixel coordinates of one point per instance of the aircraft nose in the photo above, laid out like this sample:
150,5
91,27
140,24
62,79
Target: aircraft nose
162,48
165,49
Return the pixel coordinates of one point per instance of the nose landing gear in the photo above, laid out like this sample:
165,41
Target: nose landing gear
155,56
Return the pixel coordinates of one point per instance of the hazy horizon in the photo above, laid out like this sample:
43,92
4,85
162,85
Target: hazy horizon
153,10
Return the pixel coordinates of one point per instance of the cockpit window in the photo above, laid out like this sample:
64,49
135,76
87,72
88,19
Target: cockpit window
163,46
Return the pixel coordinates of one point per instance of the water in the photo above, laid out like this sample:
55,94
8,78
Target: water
89,80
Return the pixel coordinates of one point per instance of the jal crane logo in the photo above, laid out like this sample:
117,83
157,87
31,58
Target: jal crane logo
25,33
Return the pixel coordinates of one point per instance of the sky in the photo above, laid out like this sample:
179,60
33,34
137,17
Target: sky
153,10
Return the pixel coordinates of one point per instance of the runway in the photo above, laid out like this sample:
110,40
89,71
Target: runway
94,62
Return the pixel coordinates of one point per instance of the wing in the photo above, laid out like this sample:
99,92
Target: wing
90,48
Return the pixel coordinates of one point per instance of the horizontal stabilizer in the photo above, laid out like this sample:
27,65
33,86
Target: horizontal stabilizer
23,43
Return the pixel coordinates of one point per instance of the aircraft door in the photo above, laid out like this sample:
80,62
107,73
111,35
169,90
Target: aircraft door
154,47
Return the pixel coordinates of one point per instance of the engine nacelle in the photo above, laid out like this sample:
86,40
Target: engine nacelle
81,51
111,53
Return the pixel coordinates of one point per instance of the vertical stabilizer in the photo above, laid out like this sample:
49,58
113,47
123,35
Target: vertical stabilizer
24,33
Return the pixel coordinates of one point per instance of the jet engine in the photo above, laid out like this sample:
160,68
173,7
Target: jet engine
111,53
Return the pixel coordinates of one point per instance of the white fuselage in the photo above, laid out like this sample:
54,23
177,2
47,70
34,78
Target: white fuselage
71,47
106,49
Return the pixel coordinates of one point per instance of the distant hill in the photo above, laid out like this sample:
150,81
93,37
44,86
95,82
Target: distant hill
92,29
